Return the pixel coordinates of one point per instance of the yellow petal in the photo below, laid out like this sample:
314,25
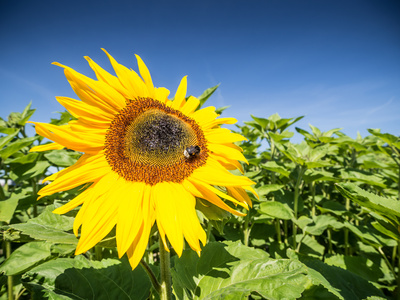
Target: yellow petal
64,136
106,77
179,99
190,106
130,215
86,113
161,94
46,147
129,79
205,193
90,171
205,115
145,75
223,136
227,151
166,214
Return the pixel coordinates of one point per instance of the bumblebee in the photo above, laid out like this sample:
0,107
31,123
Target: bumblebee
191,151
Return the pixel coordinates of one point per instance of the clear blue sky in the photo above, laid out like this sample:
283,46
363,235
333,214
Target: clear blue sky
336,62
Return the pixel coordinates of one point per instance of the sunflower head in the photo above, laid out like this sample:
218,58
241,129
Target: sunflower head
150,160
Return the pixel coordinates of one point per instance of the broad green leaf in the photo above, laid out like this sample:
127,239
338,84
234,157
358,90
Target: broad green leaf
207,94
189,269
276,209
269,278
347,284
25,159
278,137
16,146
268,188
386,137
6,139
319,175
310,246
49,227
219,110
370,235
386,207
282,124
306,134
362,176
359,265
387,229
321,223
7,207
275,167
264,123
26,257
315,130
80,278
28,171
26,114
332,207
233,271
61,158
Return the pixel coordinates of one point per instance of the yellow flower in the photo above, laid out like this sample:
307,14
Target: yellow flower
147,160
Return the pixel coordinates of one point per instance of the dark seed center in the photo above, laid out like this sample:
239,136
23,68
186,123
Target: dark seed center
161,134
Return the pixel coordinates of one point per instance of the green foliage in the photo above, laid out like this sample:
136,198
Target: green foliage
326,225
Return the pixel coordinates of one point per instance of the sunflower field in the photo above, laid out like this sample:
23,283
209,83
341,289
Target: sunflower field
325,224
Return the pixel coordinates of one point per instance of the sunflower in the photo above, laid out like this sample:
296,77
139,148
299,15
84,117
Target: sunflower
146,159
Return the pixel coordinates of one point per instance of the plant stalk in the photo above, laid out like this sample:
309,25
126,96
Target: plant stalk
296,202
165,272
398,270
151,275
10,284
346,230
246,233
278,230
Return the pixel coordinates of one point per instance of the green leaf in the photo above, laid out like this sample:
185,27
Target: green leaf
61,158
26,114
276,209
25,159
28,171
207,94
386,207
275,167
49,227
387,229
278,137
79,278
5,139
321,223
359,265
269,278
268,188
16,146
26,257
219,110
370,235
362,176
233,271
347,284
386,137
264,123
8,206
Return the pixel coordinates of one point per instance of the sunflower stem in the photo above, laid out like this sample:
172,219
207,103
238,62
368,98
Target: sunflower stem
151,275
166,280
10,284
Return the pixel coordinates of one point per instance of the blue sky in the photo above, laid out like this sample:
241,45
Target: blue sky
336,62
